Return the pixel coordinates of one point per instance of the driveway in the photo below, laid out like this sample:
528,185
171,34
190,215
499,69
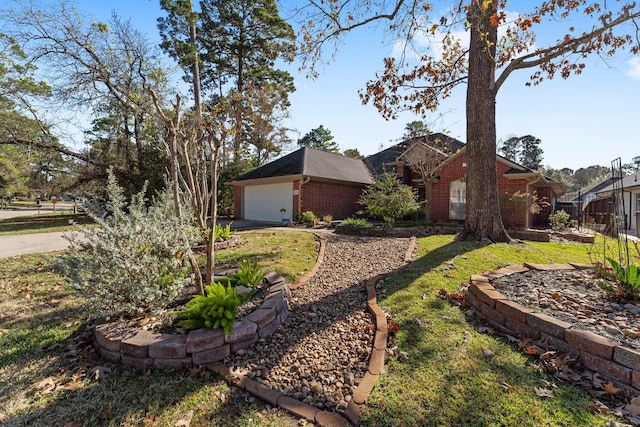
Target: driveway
31,243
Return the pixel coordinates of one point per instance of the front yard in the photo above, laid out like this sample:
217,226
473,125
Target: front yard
437,373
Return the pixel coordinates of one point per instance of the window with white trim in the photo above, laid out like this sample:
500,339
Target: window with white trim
457,200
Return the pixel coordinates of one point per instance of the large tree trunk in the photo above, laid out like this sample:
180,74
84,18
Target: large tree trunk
483,219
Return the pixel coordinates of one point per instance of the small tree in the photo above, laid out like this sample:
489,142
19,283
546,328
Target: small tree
389,200
518,204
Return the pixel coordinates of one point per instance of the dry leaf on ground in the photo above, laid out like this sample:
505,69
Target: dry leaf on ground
544,392
185,421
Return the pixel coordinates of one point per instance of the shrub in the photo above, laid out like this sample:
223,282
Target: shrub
307,217
353,222
216,309
327,219
389,200
560,220
135,260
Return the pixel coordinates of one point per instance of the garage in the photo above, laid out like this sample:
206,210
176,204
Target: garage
263,202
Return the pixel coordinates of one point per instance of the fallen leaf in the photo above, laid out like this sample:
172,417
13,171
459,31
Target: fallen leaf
599,407
46,386
547,355
488,354
508,387
609,388
555,295
531,350
149,420
486,330
106,410
73,424
194,372
100,372
543,392
549,384
75,386
185,421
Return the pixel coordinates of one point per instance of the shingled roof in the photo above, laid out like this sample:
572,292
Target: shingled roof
379,162
310,162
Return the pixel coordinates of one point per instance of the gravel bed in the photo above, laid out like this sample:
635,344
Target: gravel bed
575,297
321,352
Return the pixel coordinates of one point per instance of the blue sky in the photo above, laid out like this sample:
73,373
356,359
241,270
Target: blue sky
585,120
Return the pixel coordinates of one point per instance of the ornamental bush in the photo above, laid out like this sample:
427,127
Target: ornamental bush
389,200
135,260
560,220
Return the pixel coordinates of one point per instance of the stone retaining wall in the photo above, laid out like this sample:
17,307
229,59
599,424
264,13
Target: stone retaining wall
603,355
144,349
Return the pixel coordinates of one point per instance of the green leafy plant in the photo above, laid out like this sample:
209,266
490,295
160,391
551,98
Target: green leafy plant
327,219
560,220
307,217
248,274
221,233
389,199
624,281
216,309
354,222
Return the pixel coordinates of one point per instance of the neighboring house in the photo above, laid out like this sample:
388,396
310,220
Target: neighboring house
626,195
576,203
331,184
305,180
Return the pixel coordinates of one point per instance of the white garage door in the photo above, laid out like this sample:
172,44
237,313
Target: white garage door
263,202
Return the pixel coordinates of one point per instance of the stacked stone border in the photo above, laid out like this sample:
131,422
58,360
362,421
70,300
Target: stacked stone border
599,354
145,349
364,388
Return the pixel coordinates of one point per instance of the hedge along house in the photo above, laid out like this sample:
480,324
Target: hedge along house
305,180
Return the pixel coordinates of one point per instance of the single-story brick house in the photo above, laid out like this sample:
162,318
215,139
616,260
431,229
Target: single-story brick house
305,180
330,184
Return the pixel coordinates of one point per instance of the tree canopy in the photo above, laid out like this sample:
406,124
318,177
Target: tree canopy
319,138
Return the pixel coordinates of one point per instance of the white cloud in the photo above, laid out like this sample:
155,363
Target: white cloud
634,68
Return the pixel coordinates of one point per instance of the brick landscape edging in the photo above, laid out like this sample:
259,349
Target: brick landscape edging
603,355
145,349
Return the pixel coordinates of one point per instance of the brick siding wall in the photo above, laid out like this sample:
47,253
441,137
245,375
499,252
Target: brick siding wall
323,198
456,170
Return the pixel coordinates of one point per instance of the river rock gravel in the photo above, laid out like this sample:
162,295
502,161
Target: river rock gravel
574,296
321,352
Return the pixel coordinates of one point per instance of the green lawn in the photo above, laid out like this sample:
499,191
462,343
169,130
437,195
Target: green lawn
437,377
440,375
